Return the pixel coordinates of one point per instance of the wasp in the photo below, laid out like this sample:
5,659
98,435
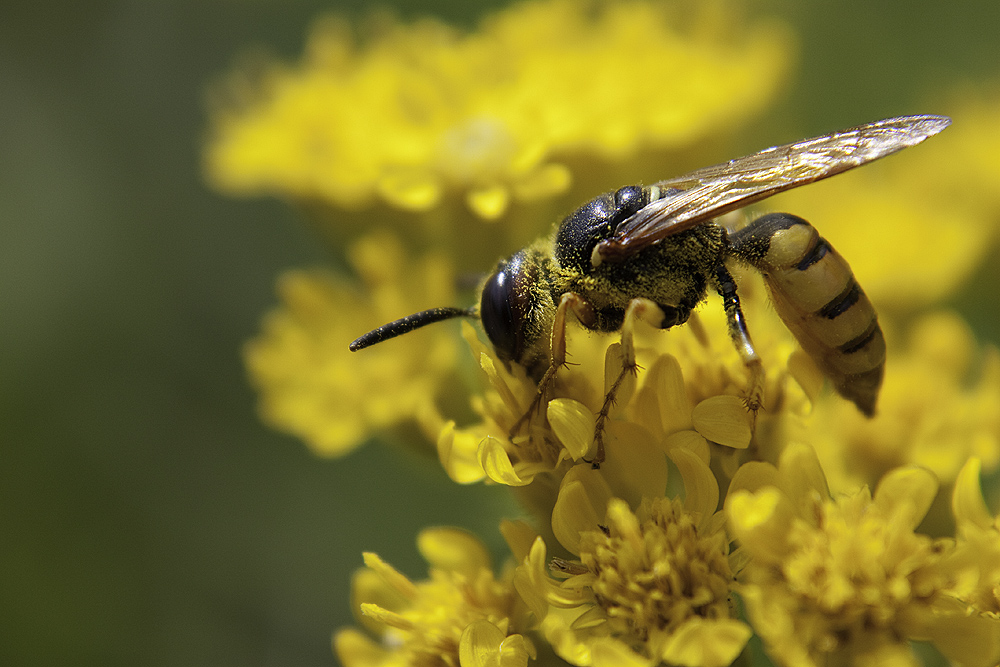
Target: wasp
652,252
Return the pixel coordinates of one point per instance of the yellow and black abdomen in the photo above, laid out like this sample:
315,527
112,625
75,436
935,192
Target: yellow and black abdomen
821,303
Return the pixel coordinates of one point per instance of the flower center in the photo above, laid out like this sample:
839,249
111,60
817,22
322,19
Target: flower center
653,574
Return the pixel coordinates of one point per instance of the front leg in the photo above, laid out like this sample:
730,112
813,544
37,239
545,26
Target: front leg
638,309
584,312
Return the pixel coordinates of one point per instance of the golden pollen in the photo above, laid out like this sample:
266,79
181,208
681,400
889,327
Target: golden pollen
654,571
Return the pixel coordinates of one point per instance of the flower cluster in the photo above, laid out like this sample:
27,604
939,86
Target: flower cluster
825,534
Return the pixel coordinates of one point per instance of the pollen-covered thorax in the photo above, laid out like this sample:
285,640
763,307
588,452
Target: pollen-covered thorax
653,571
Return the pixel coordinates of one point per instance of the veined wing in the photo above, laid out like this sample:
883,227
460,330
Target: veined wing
689,200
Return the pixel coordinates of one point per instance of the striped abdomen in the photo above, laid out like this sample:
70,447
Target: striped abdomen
819,300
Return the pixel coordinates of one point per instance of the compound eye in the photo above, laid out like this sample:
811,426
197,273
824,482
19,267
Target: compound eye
629,200
500,311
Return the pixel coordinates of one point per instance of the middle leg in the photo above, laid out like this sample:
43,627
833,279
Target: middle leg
741,337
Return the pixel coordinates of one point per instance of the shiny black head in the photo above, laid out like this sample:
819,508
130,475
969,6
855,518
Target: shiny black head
596,221
504,307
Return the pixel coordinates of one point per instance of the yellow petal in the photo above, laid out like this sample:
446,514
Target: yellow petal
972,641
458,452
416,190
594,616
390,575
488,203
495,462
802,475
354,649
634,466
753,476
760,521
885,653
573,423
386,617
519,536
723,420
667,381
515,651
485,645
700,642
369,587
691,441
581,505
701,490
532,582
806,373
967,499
905,494
453,550
480,645
608,652
548,180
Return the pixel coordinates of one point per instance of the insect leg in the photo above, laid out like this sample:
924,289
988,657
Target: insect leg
741,336
584,312
638,309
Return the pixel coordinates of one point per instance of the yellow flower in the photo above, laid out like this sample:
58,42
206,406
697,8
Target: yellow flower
646,586
312,386
461,615
417,113
978,533
847,580
929,414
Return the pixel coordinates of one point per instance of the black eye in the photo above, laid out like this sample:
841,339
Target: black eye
502,309
628,200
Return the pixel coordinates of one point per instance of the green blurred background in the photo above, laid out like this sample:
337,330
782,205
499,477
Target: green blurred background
146,517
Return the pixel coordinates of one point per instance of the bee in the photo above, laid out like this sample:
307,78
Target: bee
652,252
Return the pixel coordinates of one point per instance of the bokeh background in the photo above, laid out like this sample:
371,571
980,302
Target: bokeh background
146,516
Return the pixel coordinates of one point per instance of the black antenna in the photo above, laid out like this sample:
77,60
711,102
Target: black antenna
409,323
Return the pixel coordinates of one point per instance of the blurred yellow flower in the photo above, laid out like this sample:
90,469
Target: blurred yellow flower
311,386
847,580
929,413
462,614
419,112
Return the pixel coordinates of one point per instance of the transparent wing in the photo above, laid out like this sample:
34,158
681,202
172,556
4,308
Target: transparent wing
712,191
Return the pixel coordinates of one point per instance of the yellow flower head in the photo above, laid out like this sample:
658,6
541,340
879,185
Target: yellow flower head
647,586
419,112
312,386
847,579
461,615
